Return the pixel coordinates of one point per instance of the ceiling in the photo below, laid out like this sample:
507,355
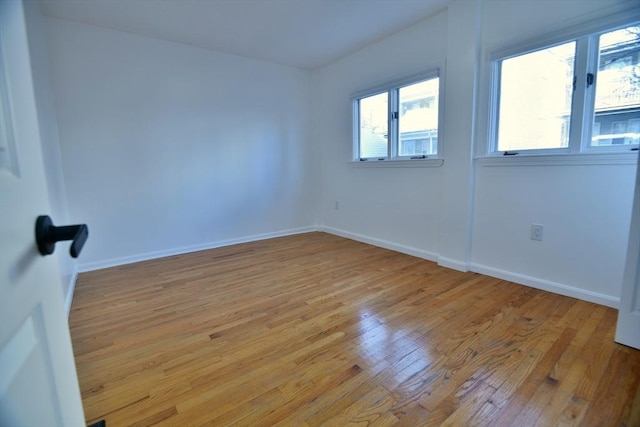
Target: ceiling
299,33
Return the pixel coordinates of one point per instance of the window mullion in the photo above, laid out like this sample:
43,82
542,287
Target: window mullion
580,123
393,123
590,93
356,129
495,107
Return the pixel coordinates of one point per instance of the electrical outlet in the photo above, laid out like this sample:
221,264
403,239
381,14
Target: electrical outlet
537,232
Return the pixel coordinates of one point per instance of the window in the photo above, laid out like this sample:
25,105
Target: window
582,95
617,94
399,121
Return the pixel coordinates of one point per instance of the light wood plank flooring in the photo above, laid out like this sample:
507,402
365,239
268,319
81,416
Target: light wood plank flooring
314,329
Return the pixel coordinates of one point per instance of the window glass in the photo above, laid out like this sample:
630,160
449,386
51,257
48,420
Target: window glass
617,97
535,99
399,123
418,119
374,126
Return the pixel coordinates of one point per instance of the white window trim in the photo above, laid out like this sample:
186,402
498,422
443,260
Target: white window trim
488,156
618,158
392,160
431,162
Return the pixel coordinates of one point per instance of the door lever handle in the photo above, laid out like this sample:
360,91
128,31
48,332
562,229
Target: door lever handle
48,234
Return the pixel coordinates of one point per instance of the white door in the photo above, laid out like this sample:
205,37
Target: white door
628,328
38,380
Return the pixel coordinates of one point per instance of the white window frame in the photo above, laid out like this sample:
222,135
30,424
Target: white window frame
392,159
583,100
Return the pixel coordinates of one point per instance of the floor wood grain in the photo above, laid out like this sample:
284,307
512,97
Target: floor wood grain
313,329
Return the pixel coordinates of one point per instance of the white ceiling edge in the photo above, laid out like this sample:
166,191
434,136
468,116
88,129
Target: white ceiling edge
306,34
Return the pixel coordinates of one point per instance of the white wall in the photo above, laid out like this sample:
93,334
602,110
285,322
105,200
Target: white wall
394,206
463,214
585,209
168,148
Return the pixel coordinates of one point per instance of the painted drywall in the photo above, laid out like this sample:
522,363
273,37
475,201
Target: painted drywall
168,148
585,209
395,205
463,46
39,56
463,214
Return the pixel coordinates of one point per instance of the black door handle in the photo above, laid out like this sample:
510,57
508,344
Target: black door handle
48,234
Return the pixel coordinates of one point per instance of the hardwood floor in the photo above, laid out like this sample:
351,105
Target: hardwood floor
314,329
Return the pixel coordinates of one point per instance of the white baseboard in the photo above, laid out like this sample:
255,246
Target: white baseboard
114,262
68,299
533,282
409,250
546,285
521,279
453,264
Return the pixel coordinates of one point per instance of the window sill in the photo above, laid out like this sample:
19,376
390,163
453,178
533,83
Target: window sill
630,158
408,163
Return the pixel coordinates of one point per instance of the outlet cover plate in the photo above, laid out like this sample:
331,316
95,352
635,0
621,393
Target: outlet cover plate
537,232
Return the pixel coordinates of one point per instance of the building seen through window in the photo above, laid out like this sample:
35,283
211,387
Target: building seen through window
411,114
536,106
617,99
418,119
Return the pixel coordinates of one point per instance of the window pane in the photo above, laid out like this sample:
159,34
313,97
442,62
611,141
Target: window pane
535,99
418,119
374,133
617,105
